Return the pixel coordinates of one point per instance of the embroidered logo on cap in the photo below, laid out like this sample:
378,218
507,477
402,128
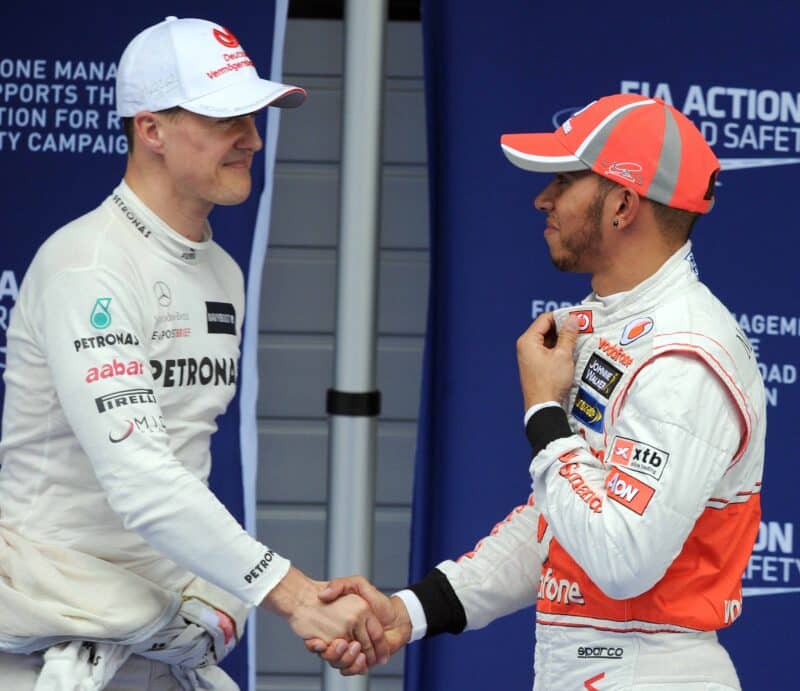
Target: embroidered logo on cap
226,38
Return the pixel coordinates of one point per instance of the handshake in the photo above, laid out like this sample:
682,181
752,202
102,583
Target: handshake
348,622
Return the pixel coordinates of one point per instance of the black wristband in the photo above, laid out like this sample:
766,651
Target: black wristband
546,425
443,609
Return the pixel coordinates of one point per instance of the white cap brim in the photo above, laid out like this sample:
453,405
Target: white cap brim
246,97
540,153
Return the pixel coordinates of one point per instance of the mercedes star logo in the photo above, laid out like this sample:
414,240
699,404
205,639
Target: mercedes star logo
163,293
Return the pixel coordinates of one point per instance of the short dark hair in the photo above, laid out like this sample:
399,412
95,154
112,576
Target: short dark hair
127,124
675,225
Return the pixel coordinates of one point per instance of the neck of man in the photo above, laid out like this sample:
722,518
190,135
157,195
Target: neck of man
185,215
633,259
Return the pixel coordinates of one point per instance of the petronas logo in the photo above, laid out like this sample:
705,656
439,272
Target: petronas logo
101,317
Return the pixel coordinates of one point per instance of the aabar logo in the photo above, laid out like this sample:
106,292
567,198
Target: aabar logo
616,353
628,491
226,38
635,330
115,368
562,590
585,325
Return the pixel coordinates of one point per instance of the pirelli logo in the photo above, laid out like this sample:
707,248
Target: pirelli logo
118,399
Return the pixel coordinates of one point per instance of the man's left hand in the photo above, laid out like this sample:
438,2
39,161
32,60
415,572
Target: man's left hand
546,367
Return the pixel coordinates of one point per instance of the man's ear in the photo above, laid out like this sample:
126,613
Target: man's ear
625,205
148,129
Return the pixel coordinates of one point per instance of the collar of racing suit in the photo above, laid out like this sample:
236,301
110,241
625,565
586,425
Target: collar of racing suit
679,270
128,207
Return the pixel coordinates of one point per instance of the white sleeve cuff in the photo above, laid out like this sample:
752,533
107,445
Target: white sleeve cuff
419,622
536,407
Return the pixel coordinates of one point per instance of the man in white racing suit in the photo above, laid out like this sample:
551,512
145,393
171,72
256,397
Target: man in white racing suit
119,568
645,411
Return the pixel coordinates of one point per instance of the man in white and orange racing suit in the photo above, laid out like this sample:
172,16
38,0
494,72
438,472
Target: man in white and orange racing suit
647,421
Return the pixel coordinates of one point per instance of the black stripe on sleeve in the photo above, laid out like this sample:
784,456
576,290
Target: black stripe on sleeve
443,609
546,425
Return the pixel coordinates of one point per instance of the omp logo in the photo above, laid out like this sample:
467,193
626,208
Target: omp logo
9,290
562,590
774,566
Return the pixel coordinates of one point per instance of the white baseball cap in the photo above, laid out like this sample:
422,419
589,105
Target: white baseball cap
199,66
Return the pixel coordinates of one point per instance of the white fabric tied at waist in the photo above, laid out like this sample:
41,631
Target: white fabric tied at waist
90,616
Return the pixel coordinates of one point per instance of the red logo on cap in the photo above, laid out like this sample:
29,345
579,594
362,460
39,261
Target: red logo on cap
226,38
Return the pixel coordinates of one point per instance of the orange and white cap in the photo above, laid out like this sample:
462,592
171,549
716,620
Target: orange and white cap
637,141
199,66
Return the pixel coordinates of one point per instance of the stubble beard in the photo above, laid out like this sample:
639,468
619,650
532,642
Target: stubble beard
576,249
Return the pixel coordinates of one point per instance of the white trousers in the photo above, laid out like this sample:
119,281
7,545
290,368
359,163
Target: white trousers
20,672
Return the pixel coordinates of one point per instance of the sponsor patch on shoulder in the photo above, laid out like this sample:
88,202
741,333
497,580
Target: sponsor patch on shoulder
634,330
601,375
625,489
588,410
638,456
221,318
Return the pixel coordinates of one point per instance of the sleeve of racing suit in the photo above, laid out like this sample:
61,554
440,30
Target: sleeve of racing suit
629,521
498,577
152,492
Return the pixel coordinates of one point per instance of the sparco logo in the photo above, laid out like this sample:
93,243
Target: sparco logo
563,591
600,652
109,339
118,399
188,371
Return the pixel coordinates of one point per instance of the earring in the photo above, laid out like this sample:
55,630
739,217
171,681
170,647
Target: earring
615,223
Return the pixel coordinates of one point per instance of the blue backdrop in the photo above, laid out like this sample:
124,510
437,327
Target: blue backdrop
62,152
521,66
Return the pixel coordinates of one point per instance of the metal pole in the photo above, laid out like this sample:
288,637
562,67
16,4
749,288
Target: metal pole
354,403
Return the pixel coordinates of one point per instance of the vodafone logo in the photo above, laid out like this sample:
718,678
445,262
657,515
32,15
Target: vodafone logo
226,38
635,330
584,321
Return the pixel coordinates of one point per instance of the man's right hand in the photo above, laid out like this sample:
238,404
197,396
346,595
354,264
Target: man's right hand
391,612
348,618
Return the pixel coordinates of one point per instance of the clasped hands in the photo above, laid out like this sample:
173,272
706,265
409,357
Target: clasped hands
348,622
